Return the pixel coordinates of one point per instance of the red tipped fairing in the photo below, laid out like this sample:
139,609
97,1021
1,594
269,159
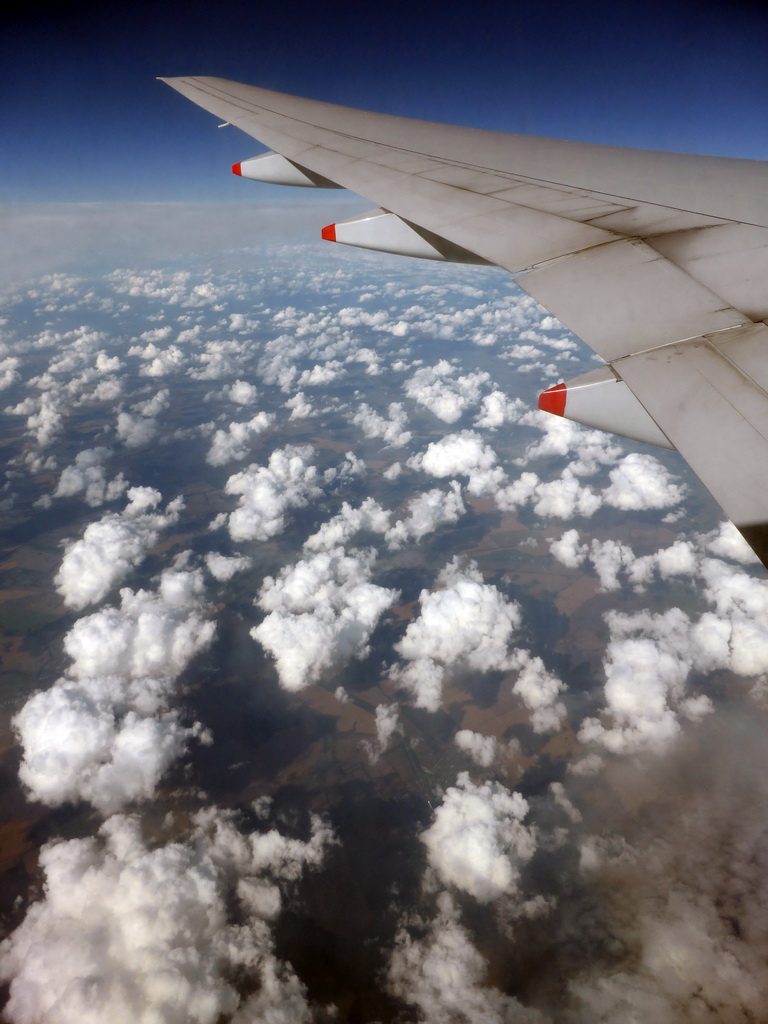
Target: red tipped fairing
601,399
553,400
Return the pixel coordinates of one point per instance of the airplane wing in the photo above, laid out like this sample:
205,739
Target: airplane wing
658,261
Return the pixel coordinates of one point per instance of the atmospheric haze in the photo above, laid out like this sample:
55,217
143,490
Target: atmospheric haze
339,683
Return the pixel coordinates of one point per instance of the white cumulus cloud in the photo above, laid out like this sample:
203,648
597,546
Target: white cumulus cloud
427,512
129,931
107,730
289,480
462,454
440,971
392,430
234,443
111,547
477,841
87,474
321,612
444,394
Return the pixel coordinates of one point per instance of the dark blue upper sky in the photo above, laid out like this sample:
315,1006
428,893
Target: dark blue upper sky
84,118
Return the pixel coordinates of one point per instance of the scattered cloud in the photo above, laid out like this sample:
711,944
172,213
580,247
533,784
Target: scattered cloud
463,454
234,443
111,547
289,480
107,730
444,394
427,512
468,625
87,475
321,612
392,431
387,724
477,841
440,971
642,482
130,931
224,567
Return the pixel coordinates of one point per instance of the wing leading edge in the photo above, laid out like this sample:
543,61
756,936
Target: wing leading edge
658,261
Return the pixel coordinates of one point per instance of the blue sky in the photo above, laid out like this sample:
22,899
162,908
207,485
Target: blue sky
85,120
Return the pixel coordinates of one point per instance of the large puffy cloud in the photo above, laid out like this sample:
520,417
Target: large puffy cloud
539,690
224,567
222,359
462,454
266,493
107,731
611,559
468,625
427,512
648,662
160,362
135,431
9,371
568,550
735,634
300,407
369,516
87,474
111,547
727,542
440,971
321,612
645,690
497,409
242,392
650,657
484,750
234,443
139,426
561,498
128,931
392,430
477,841
466,454
638,482
45,415
444,394
562,437
321,374
642,482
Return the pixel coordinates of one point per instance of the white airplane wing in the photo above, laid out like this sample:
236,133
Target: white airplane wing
658,261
